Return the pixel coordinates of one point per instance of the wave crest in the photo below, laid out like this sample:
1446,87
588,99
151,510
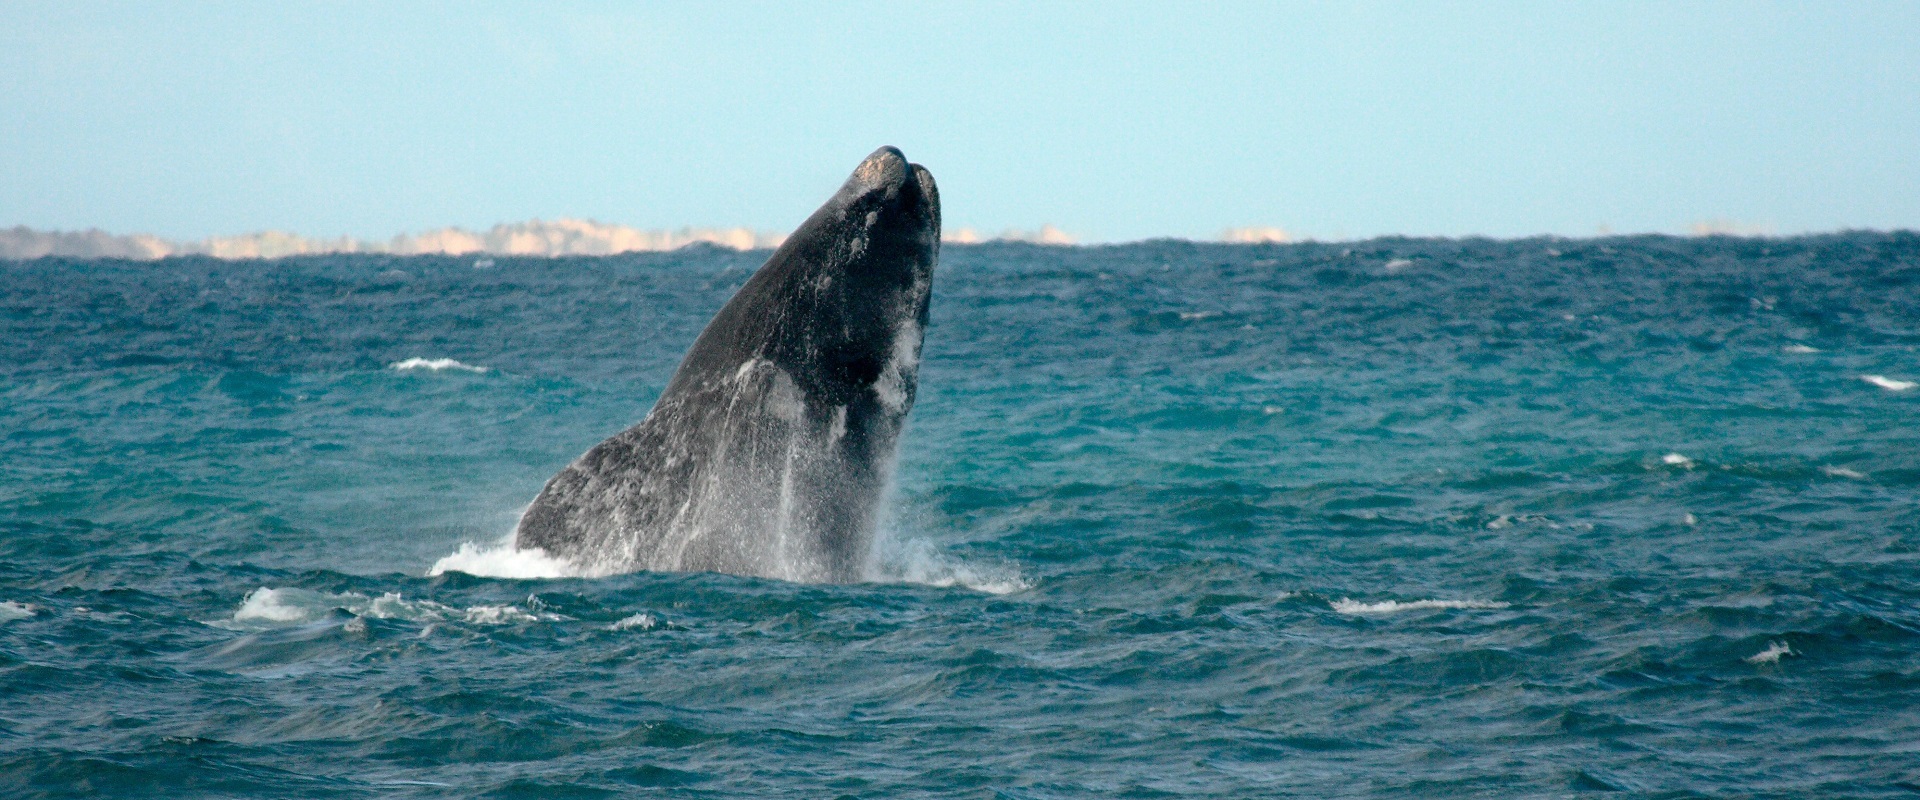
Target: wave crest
268,607
503,560
434,364
1350,606
918,561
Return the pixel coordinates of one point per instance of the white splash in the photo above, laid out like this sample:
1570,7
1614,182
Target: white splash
503,560
269,607
1889,384
918,561
903,364
10,611
500,615
279,605
642,621
1772,654
434,364
1349,606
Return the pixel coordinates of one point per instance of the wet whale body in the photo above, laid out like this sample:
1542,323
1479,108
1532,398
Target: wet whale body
769,450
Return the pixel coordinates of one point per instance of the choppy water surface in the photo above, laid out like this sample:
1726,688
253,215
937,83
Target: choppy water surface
1384,519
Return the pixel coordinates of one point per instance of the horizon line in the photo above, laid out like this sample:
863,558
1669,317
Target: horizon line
567,236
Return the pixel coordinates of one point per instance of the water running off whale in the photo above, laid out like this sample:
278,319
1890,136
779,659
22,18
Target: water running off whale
769,450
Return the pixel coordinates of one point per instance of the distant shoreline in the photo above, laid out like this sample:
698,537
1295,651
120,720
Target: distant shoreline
573,237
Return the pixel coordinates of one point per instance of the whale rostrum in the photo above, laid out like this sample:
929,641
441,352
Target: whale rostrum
769,450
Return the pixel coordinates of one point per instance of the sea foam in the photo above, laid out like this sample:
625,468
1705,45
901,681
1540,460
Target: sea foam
1349,606
434,364
503,560
642,621
918,561
1889,384
913,561
10,611
271,607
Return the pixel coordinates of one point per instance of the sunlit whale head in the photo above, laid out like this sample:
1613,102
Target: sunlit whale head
846,295
769,451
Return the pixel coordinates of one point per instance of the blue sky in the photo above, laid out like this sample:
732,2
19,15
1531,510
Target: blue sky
1113,121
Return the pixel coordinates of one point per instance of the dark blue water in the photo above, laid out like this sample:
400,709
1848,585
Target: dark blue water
1383,519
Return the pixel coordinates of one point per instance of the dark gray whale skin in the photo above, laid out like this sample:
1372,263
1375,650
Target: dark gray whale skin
769,450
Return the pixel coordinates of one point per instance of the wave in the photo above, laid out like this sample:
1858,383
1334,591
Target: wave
270,607
1772,654
918,561
1350,606
642,621
912,561
434,364
503,560
10,611
1889,384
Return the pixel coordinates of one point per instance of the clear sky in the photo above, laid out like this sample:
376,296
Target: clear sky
1114,121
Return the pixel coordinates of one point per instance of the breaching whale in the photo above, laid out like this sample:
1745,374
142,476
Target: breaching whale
769,450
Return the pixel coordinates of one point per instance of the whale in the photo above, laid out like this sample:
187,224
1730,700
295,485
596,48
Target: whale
770,449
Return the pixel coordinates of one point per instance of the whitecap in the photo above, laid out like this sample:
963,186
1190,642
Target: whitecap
917,561
1801,349
1842,472
1889,384
500,615
1772,654
503,560
1191,316
267,604
642,621
434,364
10,610
1350,606
270,607
1677,460
1399,264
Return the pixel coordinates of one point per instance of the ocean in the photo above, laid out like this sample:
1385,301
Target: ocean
1629,516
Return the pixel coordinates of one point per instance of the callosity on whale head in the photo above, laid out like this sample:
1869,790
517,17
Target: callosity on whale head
769,451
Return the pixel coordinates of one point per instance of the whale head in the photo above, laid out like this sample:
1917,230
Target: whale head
842,303
768,453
